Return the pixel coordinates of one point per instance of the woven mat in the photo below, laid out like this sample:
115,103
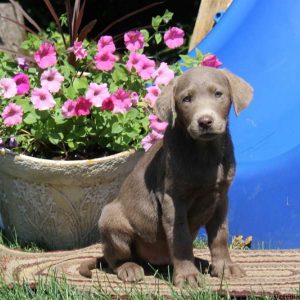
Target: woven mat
268,272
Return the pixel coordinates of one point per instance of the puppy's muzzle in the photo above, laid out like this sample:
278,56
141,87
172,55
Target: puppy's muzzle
205,122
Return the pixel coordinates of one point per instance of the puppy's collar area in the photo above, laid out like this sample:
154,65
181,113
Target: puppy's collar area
179,135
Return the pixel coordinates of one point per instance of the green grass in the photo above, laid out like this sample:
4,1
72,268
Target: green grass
14,244
200,243
56,289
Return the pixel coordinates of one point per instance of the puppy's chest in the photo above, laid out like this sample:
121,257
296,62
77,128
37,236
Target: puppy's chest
201,189
198,177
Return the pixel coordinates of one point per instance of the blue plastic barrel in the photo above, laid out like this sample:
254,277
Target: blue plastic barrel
260,41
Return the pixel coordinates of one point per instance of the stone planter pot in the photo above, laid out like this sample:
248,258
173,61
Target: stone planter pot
57,204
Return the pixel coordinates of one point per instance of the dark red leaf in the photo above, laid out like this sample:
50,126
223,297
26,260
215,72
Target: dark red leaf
74,18
69,10
56,19
86,30
79,18
127,16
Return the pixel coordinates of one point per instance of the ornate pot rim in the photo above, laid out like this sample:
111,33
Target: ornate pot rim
55,171
23,157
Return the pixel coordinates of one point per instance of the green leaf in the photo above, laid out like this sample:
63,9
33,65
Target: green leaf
67,69
72,145
133,113
30,119
167,17
80,131
69,92
63,20
119,73
146,34
80,84
26,105
32,71
156,21
59,119
199,54
132,134
113,87
116,128
145,123
98,78
55,137
187,60
158,37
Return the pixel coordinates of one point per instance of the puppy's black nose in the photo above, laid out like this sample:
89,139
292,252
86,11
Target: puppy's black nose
205,122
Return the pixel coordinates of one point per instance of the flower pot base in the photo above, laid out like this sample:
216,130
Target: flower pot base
56,205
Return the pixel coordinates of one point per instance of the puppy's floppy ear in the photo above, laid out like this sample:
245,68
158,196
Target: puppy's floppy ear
164,106
241,91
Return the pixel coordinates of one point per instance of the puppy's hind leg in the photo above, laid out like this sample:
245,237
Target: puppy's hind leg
117,237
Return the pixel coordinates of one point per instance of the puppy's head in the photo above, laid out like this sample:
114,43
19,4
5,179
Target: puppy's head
200,100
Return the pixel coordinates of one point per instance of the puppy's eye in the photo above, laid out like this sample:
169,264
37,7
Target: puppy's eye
218,94
187,99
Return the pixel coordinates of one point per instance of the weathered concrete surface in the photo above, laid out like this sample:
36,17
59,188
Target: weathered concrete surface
11,34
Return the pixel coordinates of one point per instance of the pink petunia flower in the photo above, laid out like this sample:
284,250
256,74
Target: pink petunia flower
96,93
121,100
23,83
22,63
45,56
82,106
8,88
211,61
12,115
51,80
145,67
163,75
134,98
158,129
105,60
108,104
68,109
173,37
152,94
134,40
157,125
106,43
78,50
149,140
133,60
42,99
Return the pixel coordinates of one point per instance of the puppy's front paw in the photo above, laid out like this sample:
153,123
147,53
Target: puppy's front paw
223,269
130,272
187,276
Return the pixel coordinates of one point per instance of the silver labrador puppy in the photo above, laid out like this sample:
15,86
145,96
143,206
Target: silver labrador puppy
180,185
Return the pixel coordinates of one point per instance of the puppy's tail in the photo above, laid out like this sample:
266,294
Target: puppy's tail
86,267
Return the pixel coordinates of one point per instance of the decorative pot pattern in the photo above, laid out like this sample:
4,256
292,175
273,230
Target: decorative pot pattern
57,204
